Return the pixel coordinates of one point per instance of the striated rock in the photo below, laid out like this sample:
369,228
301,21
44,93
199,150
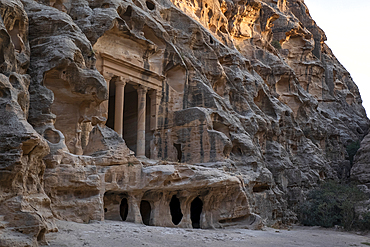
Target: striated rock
195,114
361,168
24,206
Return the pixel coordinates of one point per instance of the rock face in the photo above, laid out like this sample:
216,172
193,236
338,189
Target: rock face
171,113
361,168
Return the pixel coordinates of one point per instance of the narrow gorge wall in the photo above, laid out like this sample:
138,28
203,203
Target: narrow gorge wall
171,113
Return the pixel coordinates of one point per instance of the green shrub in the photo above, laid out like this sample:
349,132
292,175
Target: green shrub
364,222
333,204
352,150
276,44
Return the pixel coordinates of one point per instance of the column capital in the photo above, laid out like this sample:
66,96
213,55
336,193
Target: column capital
107,75
120,80
155,93
141,89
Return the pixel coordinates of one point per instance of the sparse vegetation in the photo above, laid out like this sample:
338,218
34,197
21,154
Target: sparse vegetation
352,150
276,44
334,203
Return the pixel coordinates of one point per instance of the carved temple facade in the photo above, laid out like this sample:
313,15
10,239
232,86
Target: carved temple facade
134,83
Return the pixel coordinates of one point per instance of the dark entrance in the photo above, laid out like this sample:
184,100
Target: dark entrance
179,152
123,209
175,210
111,104
195,211
145,210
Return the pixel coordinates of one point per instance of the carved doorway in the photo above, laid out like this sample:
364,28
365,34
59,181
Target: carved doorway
123,209
175,210
195,212
145,211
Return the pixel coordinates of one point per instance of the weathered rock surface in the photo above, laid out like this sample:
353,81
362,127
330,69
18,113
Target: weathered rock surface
361,168
240,106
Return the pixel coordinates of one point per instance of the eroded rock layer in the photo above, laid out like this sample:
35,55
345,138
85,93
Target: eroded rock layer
172,113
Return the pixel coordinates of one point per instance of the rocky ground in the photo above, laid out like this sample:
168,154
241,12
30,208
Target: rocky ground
115,233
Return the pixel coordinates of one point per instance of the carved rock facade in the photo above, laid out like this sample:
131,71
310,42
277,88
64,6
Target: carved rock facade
170,113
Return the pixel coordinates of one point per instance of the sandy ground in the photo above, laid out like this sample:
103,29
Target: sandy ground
117,234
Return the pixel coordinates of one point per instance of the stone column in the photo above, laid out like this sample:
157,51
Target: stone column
141,111
134,209
105,104
155,100
118,111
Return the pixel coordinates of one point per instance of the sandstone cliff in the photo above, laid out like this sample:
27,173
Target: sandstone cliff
229,112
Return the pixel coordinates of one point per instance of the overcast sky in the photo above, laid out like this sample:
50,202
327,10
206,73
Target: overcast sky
347,27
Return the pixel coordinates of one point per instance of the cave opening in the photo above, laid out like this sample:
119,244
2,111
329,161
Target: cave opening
123,209
175,209
115,205
196,208
145,211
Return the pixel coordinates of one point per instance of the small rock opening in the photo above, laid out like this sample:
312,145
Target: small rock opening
145,211
41,235
175,209
125,14
179,152
195,212
123,209
150,5
128,12
260,188
52,136
236,150
211,40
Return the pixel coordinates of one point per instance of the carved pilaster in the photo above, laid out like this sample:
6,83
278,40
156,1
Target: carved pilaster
119,106
140,147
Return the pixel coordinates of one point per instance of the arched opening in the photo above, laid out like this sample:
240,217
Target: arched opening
123,209
175,209
195,212
145,210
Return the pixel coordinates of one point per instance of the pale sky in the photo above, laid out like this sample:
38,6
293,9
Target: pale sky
347,28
